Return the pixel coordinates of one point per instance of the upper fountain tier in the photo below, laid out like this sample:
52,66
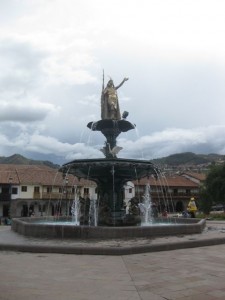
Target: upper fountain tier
111,130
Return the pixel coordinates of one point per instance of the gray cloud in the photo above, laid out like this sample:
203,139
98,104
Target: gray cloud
157,145
51,73
200,140
20,65
25,112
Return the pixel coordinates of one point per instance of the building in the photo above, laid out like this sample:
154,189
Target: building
171,193
39,190
196,177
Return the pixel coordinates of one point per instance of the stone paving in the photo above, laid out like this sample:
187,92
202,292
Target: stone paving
184,274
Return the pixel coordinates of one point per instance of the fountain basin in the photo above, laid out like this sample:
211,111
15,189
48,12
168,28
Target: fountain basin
36,227
100,169
110,175
115,125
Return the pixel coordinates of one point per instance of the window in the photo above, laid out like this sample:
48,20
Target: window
37,189
164,190
24,188
5,190
49,189
14,190
188,192
86,191
130,190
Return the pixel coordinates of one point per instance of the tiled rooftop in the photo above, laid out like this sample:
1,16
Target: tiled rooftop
44,175
172,181
36,174
198,176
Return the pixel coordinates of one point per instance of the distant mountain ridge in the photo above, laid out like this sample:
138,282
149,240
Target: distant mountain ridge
189,158
185,158
18,159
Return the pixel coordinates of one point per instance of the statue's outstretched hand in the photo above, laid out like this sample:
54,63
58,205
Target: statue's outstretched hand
126,78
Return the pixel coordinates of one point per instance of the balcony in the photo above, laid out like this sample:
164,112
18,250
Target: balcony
58,196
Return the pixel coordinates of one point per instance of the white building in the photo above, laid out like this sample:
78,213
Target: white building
39,190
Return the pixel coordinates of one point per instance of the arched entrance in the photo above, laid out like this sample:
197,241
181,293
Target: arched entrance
179,206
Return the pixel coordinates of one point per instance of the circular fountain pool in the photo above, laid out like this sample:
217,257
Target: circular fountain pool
39,227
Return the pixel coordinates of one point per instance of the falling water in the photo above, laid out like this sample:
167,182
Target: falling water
167,197
146,207
93,126
138,136
93,213
75,209
114,198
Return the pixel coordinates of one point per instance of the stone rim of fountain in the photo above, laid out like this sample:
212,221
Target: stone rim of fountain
177,226
82,168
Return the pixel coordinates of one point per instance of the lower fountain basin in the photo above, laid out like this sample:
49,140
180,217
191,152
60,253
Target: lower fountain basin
37,227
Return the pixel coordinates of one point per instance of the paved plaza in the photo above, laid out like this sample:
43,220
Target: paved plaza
192,273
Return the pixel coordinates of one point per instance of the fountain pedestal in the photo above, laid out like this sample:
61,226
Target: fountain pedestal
111,129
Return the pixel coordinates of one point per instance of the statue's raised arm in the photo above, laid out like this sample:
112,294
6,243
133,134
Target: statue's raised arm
110,104
125,79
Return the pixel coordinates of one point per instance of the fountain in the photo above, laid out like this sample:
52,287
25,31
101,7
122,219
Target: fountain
106,217
75,210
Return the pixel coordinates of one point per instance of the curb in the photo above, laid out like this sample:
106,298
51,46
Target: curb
111,250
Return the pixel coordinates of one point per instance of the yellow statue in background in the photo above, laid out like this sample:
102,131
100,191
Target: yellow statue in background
192,208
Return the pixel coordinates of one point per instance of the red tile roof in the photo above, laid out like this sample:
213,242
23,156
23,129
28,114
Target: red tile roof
43,175
199,176
172,181
36,174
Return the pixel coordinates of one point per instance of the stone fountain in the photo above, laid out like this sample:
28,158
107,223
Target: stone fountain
110,174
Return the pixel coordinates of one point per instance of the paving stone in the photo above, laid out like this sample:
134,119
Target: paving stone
183,274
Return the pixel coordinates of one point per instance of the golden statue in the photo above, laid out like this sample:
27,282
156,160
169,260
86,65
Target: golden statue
109,101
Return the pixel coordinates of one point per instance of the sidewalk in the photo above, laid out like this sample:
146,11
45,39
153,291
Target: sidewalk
184,274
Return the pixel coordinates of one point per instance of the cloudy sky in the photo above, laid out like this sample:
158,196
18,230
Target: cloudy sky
52,53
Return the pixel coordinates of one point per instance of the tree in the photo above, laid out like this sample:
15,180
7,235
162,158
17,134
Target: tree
213,191
205,201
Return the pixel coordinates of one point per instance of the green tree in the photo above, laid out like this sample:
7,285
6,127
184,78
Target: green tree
205,201
213,191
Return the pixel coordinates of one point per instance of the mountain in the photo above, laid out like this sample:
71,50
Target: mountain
175,160
18,159
189,158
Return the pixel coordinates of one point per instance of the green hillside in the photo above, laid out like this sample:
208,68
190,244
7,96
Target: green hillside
18,159
188,158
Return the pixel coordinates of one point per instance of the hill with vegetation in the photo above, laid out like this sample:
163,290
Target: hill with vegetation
175,160
189,158
18,159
